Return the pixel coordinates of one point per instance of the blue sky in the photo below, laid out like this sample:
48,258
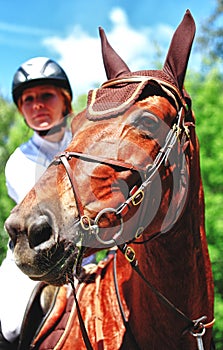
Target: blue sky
67,31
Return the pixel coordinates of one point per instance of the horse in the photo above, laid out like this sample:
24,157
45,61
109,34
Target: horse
129,183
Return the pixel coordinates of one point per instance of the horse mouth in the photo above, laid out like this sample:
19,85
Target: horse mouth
58,273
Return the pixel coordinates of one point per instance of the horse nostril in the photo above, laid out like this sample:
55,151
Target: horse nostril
12,229
40,232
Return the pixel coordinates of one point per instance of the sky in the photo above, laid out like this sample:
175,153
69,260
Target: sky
67,31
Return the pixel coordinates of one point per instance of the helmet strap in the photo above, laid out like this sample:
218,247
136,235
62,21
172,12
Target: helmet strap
54,129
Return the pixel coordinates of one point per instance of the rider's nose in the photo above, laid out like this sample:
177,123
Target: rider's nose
38,103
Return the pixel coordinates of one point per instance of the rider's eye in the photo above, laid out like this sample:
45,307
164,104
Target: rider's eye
27,99
46,96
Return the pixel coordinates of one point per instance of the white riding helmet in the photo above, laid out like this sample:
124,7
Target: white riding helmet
38,70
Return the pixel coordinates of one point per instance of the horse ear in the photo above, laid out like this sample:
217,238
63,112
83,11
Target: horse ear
114,65
179,51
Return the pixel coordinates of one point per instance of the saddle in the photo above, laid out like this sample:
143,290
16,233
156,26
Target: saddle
45,303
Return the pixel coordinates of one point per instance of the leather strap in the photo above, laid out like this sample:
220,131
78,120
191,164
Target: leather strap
73,181
96,159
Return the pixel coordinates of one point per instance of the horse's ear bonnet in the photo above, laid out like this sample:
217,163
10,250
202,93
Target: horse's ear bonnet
106,102
179,51
114,66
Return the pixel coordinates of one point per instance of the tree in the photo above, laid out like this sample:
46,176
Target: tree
212,34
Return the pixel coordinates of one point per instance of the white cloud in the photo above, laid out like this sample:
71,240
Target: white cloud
81,58
80,53
18,29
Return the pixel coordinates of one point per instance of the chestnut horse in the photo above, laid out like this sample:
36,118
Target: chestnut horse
130,183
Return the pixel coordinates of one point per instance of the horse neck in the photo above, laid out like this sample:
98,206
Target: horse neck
177,264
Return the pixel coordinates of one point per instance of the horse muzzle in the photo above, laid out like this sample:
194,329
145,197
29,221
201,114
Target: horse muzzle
40,250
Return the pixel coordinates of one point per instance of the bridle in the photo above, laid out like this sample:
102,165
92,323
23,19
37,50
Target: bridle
136,194
179,133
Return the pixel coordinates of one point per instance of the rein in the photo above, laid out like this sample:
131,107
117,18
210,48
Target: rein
80,318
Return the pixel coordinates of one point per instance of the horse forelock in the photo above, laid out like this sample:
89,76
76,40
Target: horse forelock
109,101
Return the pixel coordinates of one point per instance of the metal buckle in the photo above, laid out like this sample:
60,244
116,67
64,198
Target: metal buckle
198,332
85,222
130,254
137,197
139,232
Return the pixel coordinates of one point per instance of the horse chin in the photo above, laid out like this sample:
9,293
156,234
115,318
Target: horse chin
56,270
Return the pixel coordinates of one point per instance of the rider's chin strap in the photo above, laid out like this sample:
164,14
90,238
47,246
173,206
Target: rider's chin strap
54,129
196,327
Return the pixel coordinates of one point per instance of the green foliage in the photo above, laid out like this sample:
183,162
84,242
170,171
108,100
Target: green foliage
80,103
212,34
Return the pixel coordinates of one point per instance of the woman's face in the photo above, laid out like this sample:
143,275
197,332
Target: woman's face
42,106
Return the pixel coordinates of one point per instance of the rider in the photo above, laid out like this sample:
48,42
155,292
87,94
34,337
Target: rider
43,95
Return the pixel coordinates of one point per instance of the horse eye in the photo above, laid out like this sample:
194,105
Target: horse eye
148,122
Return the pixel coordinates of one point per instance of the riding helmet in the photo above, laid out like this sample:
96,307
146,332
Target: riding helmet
38,70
